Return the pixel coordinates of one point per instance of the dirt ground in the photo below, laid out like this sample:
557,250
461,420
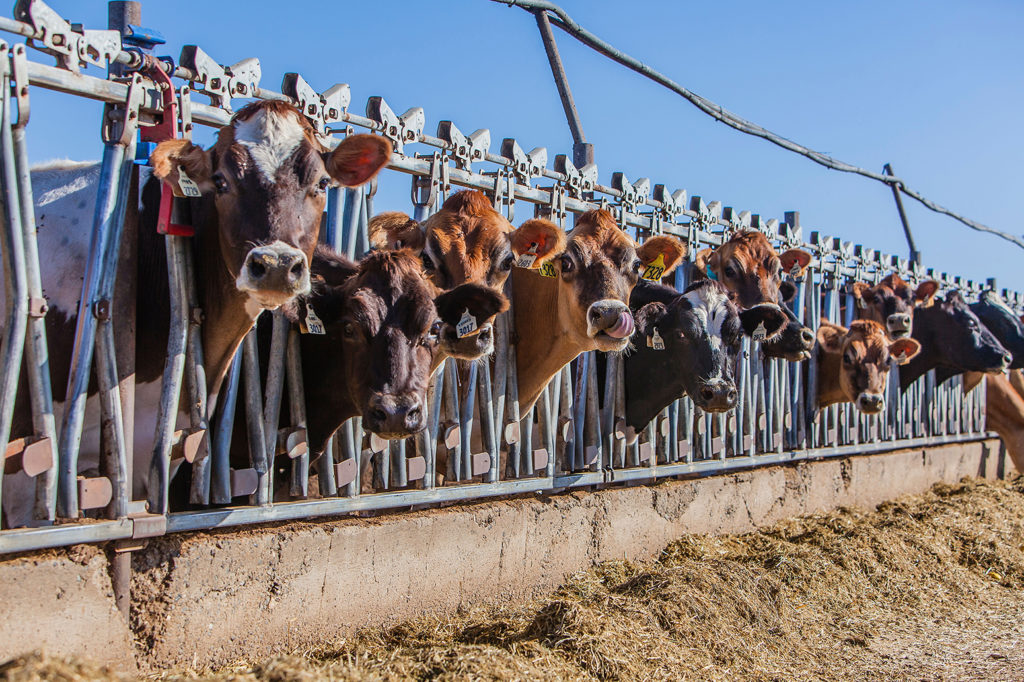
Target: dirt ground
925,588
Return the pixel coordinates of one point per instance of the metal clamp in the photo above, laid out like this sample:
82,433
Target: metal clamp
766,226
706,215
222,83
399,129
322,110
738,221
121,121
72,44
577,180
525,166
632,195
19,83
465,150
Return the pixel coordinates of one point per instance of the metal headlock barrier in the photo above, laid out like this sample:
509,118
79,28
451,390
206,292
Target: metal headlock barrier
572,438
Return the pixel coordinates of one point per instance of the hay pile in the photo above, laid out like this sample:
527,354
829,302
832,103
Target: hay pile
928,587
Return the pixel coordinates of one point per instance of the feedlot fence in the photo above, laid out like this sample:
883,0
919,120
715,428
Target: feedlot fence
572,438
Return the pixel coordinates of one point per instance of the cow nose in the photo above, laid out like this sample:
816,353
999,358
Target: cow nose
394,416
898,322
807,336
718,395
276,267
870,402
611,317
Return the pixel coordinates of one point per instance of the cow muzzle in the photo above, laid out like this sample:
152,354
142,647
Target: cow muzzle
870,403
394,416
716,395
470,347
273,274
610,324
898,325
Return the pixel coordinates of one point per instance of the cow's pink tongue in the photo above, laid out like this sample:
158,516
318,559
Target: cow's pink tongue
623,327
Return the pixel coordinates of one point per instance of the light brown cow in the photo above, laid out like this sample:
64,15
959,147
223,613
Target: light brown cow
891,303
585,305
1004,409
854,363
748,265
467,241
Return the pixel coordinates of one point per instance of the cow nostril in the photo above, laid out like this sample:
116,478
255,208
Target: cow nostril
378,415
807,335
413,416
707,393
485,335
257,269
732,395
595,315
297,269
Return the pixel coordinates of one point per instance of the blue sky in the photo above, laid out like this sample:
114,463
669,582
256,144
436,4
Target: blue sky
934,88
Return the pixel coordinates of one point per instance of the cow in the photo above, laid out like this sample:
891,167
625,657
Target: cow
854,363
952,336
466,241
1004,324
687,344
748,265
891,303
262,190
582,304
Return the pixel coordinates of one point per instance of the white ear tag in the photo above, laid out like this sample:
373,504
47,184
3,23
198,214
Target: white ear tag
901,358
529,258
188,186
655,269
759,333
655,341
795,270
312,324
861,304
466,325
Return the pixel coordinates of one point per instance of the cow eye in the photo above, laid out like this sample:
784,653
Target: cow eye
428,264
431,338
729,271
638,265
349,330
566,264
848,358
220,184
506,264
324,183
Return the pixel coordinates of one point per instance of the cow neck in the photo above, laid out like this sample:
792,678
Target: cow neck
544,344
1004,414
927,357
327,388
830,388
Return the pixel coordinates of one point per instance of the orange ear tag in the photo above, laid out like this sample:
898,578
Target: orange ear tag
655,269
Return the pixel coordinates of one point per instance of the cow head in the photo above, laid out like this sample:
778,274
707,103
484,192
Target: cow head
952,336
1004,324
380,337
466,241
267,176
862,356
688,343
891,303
795,341
748,265
595,274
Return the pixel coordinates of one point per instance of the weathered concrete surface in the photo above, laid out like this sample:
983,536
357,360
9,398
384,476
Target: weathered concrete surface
214,598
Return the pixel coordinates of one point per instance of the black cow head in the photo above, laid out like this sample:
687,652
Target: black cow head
1004,324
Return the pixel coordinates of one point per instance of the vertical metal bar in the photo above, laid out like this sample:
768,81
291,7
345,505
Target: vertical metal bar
220,486
195,383
274,388
299,483
254,418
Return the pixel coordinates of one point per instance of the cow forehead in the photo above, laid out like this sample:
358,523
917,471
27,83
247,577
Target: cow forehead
271,137
868,338
597,233
750,249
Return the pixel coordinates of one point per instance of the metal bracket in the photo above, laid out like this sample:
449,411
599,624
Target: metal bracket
525,166
633,194
32,455
322,110
222,83
739,221
37,307
707,214
148,526
577,180
425,188
766,226
790,231
672,205
465,150
72,45
399,129
120,121
19,82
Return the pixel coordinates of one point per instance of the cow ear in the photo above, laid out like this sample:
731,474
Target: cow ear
925,293
787,291
172,156
702,262
357,159
830,337
394,230
538,237
765,321
662,251
904,349
482,303
794,261
862,292
649,317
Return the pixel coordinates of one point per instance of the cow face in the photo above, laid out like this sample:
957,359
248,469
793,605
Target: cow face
748,266
1003,323
862,355
694,338
891,303
795,341
380,337
595,274
467,242
267,177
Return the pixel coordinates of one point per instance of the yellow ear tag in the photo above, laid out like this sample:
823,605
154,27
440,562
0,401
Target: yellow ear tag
312,324
548,270
655,341
188,186
466,325
529,258
655,269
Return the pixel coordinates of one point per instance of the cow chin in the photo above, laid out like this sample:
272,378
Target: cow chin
609,344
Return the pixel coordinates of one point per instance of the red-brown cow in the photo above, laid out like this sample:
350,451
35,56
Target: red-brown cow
854,363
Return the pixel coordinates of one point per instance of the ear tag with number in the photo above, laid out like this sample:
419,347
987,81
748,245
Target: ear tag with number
901,358
655,269
188,186
529,258
312,324
796,269
466,325
861,304
759,333
655,341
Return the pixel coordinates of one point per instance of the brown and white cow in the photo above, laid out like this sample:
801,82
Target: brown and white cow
466,241
891,303
263,186
854,363
585,305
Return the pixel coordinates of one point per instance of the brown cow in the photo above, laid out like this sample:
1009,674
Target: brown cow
854,363
467,241
585,305
891,303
